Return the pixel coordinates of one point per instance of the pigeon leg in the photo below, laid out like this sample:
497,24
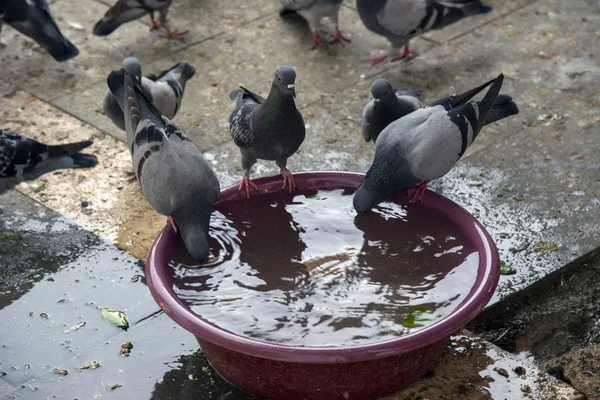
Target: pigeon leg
172,34
317,41
339,37
155,24
288,180
417,192
173,224
376,60
246,184
405,54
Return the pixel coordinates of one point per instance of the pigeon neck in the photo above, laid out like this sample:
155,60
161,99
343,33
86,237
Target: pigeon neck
279,102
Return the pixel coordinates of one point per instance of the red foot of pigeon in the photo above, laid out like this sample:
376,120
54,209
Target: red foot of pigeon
417,192
288,180
172,34
155,25
173,224
317,41
405,54
131,176
246,184
376,60
339,37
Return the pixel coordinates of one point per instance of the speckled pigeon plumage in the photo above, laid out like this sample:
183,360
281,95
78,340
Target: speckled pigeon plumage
165,90
401,20
33,19
175,178
129,10
268,129
388,105
313,11
25,159
425,144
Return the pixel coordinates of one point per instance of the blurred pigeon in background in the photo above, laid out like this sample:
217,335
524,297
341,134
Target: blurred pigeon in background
25,159
165,90
129,10
388,105
401,20
33,19
268,129
313,11
174,176
427,143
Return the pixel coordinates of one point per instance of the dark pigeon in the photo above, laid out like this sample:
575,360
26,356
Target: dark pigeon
129,10
268,129
175,178
427,143
33,19
25,159
388,105
401,20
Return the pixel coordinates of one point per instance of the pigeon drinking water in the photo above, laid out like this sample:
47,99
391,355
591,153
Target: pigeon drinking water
313,11
33,19
425,144
165,90
401,20
25,159
174,176
268,129
129,10
388,105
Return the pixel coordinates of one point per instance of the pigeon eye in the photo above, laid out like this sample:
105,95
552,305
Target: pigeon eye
278,78
385,92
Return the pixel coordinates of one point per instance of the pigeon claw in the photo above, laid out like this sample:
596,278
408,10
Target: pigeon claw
245,185
417,192
376,60
405,54
172,34
155,25
288,181
317,41
131,176
339,37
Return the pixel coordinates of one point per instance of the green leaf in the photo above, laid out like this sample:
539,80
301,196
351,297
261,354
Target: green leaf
115,318
506,270
419,316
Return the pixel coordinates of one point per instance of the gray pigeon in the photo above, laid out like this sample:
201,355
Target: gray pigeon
427,143
33,19
313,11
388,105
165,91
401,20
268,129
174,176
25,159
129,10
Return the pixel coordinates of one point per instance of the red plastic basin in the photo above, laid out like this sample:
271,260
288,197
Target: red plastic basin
362,372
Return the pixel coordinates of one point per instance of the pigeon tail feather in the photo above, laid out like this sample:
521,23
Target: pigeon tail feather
68,149
504,106
488,101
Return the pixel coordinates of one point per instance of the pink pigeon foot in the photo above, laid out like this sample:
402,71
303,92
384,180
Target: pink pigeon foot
417,192
246,184
172,34
317,41
173,224
405,54
288,180
131,176
155,25
339,37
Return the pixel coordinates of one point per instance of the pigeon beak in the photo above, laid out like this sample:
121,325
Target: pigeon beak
292,88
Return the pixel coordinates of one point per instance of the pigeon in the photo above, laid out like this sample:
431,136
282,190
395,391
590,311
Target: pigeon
425,144
25,159
313,11
401,20
388,105
129,10
33,19
174,176
165,91
267,129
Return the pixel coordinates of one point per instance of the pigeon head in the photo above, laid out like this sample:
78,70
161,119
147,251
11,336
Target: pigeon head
365,199
382,90
285,81
133,66
195,237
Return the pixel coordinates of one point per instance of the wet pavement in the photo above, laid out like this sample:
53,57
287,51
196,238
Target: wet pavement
532,179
